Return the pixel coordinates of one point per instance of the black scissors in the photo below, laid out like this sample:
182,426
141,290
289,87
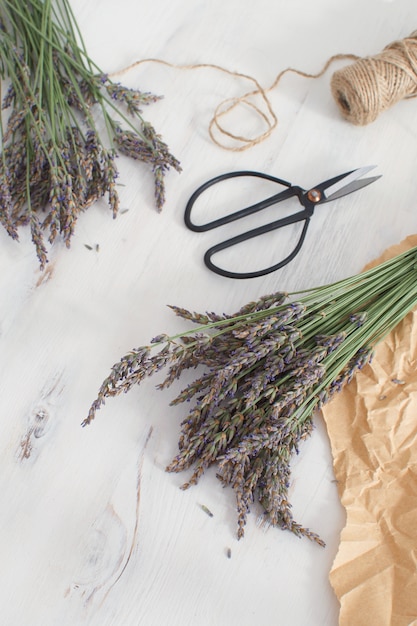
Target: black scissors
309,198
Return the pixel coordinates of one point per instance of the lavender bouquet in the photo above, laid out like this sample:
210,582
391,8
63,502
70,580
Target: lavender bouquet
265,370
54,162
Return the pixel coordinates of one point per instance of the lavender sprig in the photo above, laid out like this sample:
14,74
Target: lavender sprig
265,370
54,161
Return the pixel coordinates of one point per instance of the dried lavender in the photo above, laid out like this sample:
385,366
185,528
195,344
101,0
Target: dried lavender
264,371
54,162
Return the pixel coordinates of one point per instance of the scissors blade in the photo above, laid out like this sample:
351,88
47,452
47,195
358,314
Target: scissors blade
354,186
349,183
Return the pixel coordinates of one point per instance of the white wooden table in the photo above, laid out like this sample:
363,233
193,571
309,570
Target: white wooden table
93,530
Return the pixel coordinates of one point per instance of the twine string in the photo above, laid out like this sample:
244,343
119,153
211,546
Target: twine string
226,106
370,86
362,90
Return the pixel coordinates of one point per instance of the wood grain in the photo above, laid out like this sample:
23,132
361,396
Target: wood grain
94,531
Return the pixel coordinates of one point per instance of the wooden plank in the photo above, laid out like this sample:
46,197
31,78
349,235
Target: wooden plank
94,531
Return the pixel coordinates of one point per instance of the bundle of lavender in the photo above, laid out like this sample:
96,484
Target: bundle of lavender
54,161
267,368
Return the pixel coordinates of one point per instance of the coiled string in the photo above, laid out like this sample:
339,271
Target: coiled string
371,85
361,90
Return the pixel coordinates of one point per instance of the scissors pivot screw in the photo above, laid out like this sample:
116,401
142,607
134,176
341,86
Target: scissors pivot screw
314,195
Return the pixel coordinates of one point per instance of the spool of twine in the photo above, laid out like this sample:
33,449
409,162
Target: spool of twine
361,90
371,85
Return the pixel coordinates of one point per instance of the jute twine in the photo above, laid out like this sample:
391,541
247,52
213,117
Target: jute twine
371,85
361,90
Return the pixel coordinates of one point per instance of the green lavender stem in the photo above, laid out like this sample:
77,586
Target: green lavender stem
265,371
54,156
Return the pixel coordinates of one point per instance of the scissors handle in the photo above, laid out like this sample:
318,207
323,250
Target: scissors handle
304,215
283,195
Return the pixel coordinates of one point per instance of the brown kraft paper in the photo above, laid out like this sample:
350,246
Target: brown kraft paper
372,426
